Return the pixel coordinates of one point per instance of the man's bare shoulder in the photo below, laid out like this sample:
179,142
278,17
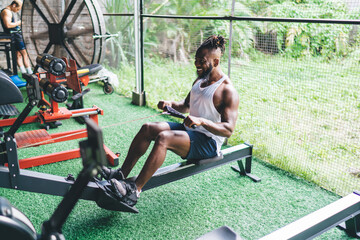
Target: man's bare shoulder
228,87
6,12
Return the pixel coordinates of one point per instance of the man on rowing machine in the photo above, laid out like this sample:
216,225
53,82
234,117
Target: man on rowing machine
212,105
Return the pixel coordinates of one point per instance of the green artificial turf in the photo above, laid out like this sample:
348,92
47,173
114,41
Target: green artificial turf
184,209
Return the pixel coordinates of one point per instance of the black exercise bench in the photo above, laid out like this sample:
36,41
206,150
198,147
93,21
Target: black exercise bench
6,46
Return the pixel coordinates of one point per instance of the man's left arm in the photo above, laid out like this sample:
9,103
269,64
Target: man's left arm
225,128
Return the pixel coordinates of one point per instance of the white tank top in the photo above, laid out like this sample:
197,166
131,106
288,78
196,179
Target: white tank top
202,105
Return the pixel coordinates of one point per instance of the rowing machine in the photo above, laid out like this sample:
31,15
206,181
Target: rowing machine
188,168
59,72
344,213
346,210
15,225
41,137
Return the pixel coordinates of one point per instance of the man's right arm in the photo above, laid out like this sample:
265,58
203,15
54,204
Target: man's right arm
6,18
181,106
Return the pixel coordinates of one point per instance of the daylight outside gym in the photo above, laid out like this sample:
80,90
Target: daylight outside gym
295,66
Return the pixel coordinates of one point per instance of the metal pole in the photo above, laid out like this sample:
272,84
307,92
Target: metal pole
138,96
230,37
258,19
141,47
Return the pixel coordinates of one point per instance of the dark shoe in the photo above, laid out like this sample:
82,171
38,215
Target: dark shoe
108,173
126,191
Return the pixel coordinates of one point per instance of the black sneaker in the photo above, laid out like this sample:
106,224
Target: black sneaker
126,191
108,173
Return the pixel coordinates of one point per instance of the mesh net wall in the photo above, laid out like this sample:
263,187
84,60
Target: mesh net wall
298,82
302,112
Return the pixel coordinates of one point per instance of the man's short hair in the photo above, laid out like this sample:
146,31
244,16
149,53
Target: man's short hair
16,2
212,43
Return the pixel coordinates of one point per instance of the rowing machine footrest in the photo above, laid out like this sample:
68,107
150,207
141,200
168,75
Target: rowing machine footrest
107,201
32,138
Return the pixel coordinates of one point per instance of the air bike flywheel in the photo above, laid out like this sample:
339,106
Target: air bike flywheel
64,28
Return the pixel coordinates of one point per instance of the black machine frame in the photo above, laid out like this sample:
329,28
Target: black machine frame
344,213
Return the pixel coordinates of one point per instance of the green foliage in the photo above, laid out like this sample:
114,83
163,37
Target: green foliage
302,39
178,38
120,49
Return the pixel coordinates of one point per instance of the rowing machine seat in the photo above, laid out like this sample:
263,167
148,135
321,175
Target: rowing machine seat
9,92
206,161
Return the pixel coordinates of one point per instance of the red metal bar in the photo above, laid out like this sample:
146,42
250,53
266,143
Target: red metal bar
112,158
10,121
69,135
49,158
62,156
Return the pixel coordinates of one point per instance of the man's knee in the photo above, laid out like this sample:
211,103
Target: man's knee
163,138
150,130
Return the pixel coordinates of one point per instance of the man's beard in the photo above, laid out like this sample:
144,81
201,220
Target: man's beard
206,74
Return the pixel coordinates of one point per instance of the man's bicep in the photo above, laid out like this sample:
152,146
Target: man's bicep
231,106
6,17
187,101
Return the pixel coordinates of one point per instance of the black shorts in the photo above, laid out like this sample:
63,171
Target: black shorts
18,41
201,146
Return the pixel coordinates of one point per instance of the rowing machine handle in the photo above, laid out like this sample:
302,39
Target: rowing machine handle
177,114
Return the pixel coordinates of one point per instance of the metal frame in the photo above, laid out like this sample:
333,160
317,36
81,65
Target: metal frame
55,113
8,46
185,169
346,209
26,180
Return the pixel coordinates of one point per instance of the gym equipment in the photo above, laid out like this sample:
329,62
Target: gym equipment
74,29
18,82
346,209
11,176
188,168
91,71
343,213
51,64
15,225
60,72
42,137
7,97
185,169
7,47
174,113
182,170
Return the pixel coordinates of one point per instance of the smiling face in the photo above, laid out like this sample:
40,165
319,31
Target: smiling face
203,63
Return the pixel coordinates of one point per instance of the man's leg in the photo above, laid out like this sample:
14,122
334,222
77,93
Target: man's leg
19,61
141,142
26,61
25,58
176,141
